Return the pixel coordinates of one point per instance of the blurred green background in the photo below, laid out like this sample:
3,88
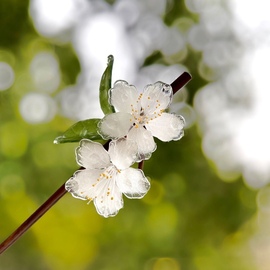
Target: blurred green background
191,219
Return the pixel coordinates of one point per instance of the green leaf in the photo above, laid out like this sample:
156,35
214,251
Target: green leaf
105,85
86,129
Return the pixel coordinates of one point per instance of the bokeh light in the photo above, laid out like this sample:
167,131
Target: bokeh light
37,108
208,207
53,17
44,69
6,76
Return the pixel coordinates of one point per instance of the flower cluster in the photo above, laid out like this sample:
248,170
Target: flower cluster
138,118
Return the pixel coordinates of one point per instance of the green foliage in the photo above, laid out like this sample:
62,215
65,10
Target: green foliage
68,61
105,85
14,22
190,219
86,129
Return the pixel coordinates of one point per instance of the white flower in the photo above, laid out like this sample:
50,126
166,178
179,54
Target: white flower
139,117
107,175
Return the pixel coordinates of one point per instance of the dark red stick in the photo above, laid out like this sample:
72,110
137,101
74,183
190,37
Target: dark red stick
140,165
182,80
33,218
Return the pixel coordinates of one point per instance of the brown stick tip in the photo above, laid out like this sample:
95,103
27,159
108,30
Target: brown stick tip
181,81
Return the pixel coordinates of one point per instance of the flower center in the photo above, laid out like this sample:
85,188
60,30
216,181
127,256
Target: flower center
105,179
142,116
139,118
107,174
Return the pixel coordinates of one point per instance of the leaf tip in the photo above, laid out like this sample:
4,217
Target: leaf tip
57,140
110,58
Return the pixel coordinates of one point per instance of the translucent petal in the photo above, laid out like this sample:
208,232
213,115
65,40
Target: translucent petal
167,127
123,153
92,155
124,97
132,183
99,186
110,203
115,125
82,184
144,140
156,97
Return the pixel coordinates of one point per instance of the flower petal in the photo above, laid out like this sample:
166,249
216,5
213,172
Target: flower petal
167,127
132,183
156,98
92,155
144,140
109,205
97,185
82,184
123,153
123,96
115,125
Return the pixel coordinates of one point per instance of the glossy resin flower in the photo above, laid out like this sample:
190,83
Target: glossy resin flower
140,116
107,175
